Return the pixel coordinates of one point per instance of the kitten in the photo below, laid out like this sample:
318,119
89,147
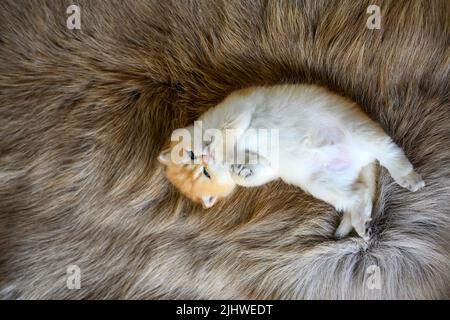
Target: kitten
326,145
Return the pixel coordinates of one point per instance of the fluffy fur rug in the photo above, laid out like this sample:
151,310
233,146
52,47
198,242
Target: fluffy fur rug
83,114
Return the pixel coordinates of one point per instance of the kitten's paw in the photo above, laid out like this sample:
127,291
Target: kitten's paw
412,181
342,231
234,169
344,228
362,227
241,170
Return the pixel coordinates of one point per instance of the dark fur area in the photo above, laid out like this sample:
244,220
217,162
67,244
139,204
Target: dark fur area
84,113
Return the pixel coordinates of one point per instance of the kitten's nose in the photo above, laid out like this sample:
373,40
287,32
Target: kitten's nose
207,158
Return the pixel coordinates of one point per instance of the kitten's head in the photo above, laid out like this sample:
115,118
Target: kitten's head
195,175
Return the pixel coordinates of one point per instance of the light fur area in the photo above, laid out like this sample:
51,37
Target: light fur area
325,144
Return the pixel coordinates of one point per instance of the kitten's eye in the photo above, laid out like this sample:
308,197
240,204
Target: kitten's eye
191,155
206,173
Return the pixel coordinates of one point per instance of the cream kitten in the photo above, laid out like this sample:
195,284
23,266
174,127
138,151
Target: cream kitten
326,145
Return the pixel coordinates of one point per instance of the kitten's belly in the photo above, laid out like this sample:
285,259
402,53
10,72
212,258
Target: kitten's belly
336,158
330,163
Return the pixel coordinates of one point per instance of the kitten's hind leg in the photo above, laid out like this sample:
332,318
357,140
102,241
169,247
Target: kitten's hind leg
412,181
393,158
361,216
358,214
364,189
345,226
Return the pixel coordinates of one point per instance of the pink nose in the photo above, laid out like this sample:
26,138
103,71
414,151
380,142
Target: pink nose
207,158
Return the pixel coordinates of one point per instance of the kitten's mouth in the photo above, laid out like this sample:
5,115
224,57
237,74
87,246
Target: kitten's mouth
207,159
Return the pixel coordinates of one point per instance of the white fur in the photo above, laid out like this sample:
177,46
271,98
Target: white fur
325,141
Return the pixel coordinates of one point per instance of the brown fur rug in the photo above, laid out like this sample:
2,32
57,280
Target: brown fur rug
83,114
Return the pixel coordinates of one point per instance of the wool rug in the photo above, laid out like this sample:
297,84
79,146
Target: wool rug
85,209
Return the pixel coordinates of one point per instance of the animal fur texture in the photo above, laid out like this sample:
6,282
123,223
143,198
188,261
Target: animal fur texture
84,113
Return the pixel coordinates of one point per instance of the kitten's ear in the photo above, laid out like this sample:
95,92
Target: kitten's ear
209,201
164,156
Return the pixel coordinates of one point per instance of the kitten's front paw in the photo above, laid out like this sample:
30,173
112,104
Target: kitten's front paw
412,181
241,170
